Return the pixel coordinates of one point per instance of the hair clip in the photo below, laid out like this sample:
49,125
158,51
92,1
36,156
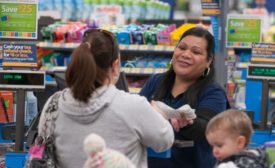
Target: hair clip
88,44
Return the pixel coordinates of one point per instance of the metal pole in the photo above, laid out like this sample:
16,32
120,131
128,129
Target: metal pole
20,124
221,53
264,104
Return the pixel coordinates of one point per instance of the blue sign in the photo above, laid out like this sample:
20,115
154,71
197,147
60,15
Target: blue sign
19,55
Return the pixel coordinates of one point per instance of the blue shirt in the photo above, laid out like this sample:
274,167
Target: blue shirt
211,101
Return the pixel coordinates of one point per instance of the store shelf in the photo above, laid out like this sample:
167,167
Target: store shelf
50,70
58,46
137,49
142,71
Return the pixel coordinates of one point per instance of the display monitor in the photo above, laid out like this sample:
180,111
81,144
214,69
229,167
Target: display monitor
121,84
60,80
22,79
261,71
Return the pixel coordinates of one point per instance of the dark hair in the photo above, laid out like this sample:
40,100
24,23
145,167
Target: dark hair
197,87
90,63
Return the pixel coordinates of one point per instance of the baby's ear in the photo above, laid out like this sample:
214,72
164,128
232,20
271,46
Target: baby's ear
241,140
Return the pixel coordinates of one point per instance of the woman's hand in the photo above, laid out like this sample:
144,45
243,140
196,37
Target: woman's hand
179,123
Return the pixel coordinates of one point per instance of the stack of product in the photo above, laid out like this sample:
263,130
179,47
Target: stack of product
84,9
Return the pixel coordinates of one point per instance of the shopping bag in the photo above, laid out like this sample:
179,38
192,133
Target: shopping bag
42,154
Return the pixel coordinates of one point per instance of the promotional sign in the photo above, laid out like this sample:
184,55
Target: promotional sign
18,19
263,53
104,15
261,71
210,7
243,30
19,55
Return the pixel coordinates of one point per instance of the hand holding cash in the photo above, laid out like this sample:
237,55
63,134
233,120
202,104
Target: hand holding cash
184,111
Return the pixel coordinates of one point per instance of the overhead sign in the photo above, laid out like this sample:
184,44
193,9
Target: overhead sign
261,71
263,53
210,7
19,55
242,30
18,19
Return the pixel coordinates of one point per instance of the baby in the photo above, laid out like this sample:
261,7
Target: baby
101,157
229,134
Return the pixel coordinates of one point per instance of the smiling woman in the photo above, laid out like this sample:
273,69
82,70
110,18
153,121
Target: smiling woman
190,80
190,59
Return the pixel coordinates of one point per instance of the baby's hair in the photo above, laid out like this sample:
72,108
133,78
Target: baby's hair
233,122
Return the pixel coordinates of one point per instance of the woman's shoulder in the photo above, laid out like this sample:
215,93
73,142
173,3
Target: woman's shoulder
214,96
214,87
150,85
126,97
156,77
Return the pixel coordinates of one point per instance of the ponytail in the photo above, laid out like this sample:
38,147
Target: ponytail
81,73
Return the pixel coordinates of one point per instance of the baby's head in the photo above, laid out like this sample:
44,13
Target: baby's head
228,133
101,157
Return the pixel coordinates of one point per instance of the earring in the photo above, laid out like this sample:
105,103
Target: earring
206,72
170,63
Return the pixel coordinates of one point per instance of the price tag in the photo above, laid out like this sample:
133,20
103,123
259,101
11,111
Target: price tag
42,44
159,47
122,46
170,48
133,47
143,47
150,47
148,70
135,70
44,68
134,90
71,45
160,70
126,69
56,44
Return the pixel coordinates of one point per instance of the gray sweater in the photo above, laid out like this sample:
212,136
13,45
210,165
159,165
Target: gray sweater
127,122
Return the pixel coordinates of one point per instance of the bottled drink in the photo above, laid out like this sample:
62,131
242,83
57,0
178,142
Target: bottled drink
31,107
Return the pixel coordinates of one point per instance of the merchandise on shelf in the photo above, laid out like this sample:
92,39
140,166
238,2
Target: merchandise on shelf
271,35
84,9
160,34
6,106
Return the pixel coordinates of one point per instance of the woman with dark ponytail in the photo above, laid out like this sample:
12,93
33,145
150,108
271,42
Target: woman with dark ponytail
92,104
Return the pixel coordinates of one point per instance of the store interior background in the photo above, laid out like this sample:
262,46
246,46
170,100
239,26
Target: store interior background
190,11
243,93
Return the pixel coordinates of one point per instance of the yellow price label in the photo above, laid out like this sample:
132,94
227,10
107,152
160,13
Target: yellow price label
135,70
143,47
56,44
42,44
126,69
122,47
148,70
159,47
134,90
133,47
160,70
170,48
